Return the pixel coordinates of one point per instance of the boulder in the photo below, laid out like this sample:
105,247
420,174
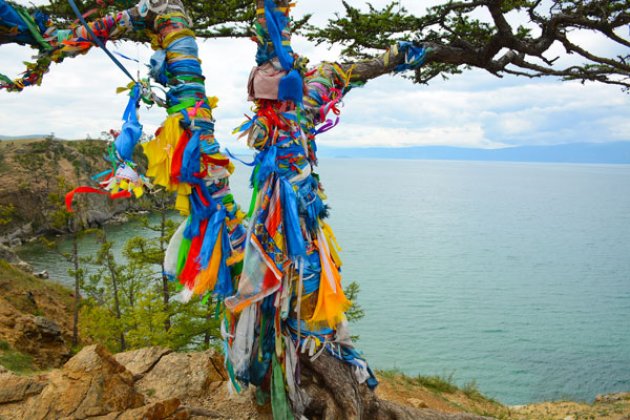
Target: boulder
156,411
16,388
90,384
8,255
40,337
139,362
183,376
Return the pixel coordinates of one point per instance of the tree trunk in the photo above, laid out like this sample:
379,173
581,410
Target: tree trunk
77,290
165,291
330,391
209,315
114,276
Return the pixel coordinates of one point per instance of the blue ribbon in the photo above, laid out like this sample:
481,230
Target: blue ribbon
414,56
296,245
131,130
97,40
276,22
215,224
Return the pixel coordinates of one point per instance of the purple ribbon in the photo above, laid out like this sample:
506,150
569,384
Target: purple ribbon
327,126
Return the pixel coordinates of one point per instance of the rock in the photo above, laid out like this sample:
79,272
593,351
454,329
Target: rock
183,376
14,237
15,242
97,217
48,329
120,218
24,266
90,384
40,337
417,403
8,255
155,411
612,398
15,388
42,274
139,362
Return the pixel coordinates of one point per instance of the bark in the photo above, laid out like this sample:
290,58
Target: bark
114,277
77,290
363,71
331,391
165,291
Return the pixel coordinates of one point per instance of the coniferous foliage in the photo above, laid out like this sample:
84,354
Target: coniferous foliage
128,302
528,38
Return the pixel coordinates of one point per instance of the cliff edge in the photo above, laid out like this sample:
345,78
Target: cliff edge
157,383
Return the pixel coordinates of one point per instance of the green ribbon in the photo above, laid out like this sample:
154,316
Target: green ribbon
279,404
188,103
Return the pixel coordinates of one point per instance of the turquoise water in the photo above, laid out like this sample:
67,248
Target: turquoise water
514,275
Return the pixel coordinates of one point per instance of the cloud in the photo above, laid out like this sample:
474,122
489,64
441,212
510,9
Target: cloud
475,109
364,135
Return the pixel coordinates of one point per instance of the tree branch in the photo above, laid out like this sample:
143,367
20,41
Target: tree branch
456,40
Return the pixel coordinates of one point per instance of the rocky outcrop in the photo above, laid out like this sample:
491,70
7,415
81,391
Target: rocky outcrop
198,380
11,257
158,384
35,317
155,383
18,388
42,338
36,176
90,384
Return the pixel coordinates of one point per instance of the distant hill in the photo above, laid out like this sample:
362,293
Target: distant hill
618,152
26,137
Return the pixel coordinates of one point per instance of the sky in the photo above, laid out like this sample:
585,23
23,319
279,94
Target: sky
474,109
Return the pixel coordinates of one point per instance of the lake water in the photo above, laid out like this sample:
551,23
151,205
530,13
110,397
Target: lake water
514,275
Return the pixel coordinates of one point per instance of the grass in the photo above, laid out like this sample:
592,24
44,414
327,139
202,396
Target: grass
13,279
4,346
440,383
444,384
471,390
14,360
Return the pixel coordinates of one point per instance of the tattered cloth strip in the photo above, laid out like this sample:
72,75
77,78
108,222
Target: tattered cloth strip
290,298
122,180
184,157
53,44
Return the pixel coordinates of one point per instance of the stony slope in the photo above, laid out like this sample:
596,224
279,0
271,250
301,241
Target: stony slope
151,383
36,175
156,383
35,320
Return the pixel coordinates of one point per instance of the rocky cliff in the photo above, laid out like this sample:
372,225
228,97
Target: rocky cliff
36,175
156,383
150,383
35,320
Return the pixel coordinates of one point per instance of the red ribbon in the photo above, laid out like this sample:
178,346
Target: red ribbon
92,190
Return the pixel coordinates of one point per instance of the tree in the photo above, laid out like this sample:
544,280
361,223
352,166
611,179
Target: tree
448,40
145,251
62,221
124,306
517,38
513,37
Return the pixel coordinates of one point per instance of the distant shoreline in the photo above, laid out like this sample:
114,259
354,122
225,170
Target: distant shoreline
617,153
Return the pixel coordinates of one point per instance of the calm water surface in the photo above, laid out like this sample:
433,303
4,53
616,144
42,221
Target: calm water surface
514,275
